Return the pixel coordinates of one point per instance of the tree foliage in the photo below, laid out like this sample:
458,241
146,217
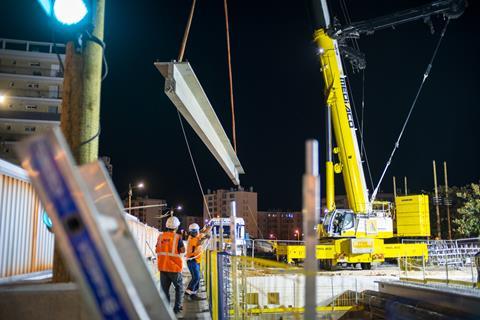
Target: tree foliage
467,219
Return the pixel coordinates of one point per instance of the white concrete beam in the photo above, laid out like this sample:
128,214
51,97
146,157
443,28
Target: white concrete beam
186,93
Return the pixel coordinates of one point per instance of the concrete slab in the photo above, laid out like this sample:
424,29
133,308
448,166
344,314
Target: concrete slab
42,302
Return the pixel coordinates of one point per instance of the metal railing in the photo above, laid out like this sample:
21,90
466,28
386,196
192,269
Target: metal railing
33,93
457,252
241,287
33,71
26,246
31,46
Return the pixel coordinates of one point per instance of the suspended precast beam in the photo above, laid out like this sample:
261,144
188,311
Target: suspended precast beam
186,93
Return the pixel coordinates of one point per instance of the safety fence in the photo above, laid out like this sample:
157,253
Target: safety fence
449,262
420,270
241,287
457,252
26,244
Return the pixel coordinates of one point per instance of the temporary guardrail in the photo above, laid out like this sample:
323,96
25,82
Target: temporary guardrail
26,244
266,287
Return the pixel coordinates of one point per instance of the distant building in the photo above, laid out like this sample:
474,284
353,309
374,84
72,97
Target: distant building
150,216
218,203
280,225
188,220
108,164
31,84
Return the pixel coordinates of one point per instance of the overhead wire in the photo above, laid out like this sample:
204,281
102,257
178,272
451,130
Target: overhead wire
425,76
230,77
180,59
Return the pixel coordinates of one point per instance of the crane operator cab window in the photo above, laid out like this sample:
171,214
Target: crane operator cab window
339,222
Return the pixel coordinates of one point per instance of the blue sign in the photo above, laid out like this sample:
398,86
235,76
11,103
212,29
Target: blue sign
87,254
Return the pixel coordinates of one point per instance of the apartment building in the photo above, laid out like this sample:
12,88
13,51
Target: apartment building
31,84
280,225
218,204
150,216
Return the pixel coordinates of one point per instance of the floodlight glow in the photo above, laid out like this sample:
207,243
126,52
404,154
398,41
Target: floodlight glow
2,98
140,185
69,11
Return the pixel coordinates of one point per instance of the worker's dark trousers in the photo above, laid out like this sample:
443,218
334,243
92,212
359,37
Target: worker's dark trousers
175,278
194,268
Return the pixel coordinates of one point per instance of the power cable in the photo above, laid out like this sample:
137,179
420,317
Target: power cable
180,59
397,143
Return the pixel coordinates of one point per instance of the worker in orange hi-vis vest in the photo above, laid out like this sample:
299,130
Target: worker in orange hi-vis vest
195,241
169,251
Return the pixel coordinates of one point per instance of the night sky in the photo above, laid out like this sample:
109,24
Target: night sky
278,94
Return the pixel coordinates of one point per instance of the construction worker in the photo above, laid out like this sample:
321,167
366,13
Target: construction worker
194,257
169,251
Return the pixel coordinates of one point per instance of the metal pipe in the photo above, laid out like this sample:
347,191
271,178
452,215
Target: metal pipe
405,185
311,212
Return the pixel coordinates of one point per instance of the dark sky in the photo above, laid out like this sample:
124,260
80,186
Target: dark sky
278,94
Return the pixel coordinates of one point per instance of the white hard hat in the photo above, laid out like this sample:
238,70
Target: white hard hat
194,227
172,223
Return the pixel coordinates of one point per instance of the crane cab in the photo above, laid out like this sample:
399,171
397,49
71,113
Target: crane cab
345,223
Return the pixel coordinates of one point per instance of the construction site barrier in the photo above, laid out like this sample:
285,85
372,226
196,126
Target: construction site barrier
26,244
240,287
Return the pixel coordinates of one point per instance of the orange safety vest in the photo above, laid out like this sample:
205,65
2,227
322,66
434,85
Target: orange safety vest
169,259
194,249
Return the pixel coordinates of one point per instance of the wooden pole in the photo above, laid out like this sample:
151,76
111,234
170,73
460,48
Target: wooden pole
439,233
447,201
394,188
80,116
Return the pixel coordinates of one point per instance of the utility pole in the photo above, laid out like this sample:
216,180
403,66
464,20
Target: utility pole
394,188
80,117
447,200
436,201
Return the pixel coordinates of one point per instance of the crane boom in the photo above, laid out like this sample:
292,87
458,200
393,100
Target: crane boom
338,103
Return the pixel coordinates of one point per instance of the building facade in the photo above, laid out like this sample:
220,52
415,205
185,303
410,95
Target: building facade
218,204
280,225
150,216
31,82
188,220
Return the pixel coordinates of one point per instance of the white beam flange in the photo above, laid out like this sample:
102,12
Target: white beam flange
186,93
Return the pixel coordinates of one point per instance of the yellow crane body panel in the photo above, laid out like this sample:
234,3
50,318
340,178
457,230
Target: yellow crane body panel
413,217
353,250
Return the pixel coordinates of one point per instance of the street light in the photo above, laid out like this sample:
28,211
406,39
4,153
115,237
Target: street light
68,13
130,193
297,233
2,98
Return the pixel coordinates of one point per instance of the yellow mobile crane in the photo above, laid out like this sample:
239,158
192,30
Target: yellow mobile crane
356,234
